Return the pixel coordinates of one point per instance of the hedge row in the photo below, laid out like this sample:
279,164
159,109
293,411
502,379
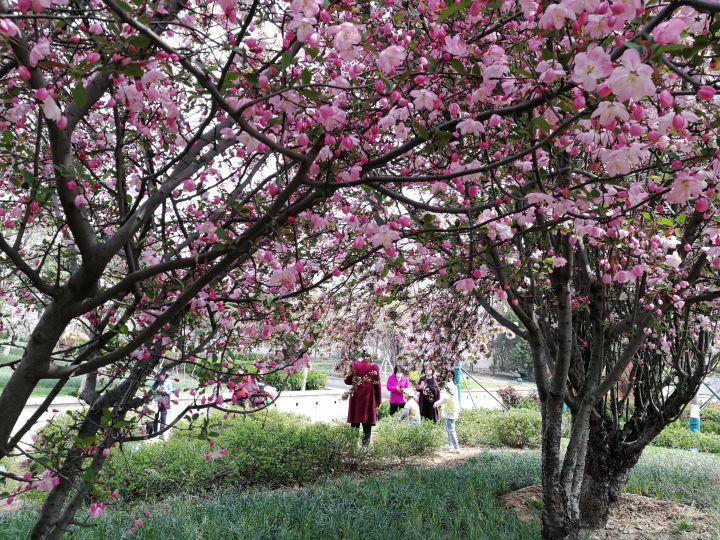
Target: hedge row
269,449
282,381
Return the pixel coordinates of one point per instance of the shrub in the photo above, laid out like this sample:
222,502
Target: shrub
403,441
270,449
709,426
383,410
511,398
517,428
475,428
677,435
283,381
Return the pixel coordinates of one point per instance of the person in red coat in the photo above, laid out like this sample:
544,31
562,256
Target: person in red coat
365,395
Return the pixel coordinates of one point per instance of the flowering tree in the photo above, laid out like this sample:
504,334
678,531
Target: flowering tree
166,163
591,215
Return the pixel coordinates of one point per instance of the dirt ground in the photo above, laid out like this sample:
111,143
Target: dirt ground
635,518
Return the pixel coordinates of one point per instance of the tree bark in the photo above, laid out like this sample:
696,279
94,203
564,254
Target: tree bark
47,525
608,463
559,521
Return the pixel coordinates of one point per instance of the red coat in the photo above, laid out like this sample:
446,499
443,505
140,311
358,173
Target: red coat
366,395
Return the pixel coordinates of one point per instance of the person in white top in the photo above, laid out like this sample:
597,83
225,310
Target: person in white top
411,410
450,411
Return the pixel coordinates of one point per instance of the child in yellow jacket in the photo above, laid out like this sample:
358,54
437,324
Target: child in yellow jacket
450,411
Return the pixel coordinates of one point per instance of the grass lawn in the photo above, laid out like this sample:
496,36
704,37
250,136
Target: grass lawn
459,502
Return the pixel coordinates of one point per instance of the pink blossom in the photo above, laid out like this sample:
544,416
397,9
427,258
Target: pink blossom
684,187
8,28
706,93
51,110
702,205
390,58
550,71
39,51
608,112
591,66
555,16
331,117
304,27
97,510
673,260
48,481
318,222
559,262
465,286
632,80
669,32
384,237
456,46
468,125
424,99
130,96
309,8
284,277
347,35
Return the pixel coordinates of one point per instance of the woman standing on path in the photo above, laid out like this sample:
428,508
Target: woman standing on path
429,394
396,383
365,395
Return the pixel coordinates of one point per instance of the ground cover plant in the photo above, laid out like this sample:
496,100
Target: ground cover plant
460,501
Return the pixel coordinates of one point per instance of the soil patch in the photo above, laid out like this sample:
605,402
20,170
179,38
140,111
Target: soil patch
635,517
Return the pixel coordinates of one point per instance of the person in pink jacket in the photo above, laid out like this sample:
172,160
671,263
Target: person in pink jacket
396,383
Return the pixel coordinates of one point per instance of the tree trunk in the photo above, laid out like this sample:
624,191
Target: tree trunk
606,472
47,525
559,521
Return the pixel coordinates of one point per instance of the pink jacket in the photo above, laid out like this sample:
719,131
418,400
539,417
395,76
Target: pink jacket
395,387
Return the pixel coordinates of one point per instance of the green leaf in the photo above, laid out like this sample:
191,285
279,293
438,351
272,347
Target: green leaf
541,123
457,66
423,132
139,42
28,179
639,48
453,9
306,76
80,95
134,70
286,60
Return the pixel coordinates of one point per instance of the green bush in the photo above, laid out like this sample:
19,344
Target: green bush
517,428
269,449
520,428
282,381
677,435
383,410
709,426
403,441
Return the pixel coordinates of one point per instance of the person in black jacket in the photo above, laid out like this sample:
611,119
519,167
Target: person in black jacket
429,393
